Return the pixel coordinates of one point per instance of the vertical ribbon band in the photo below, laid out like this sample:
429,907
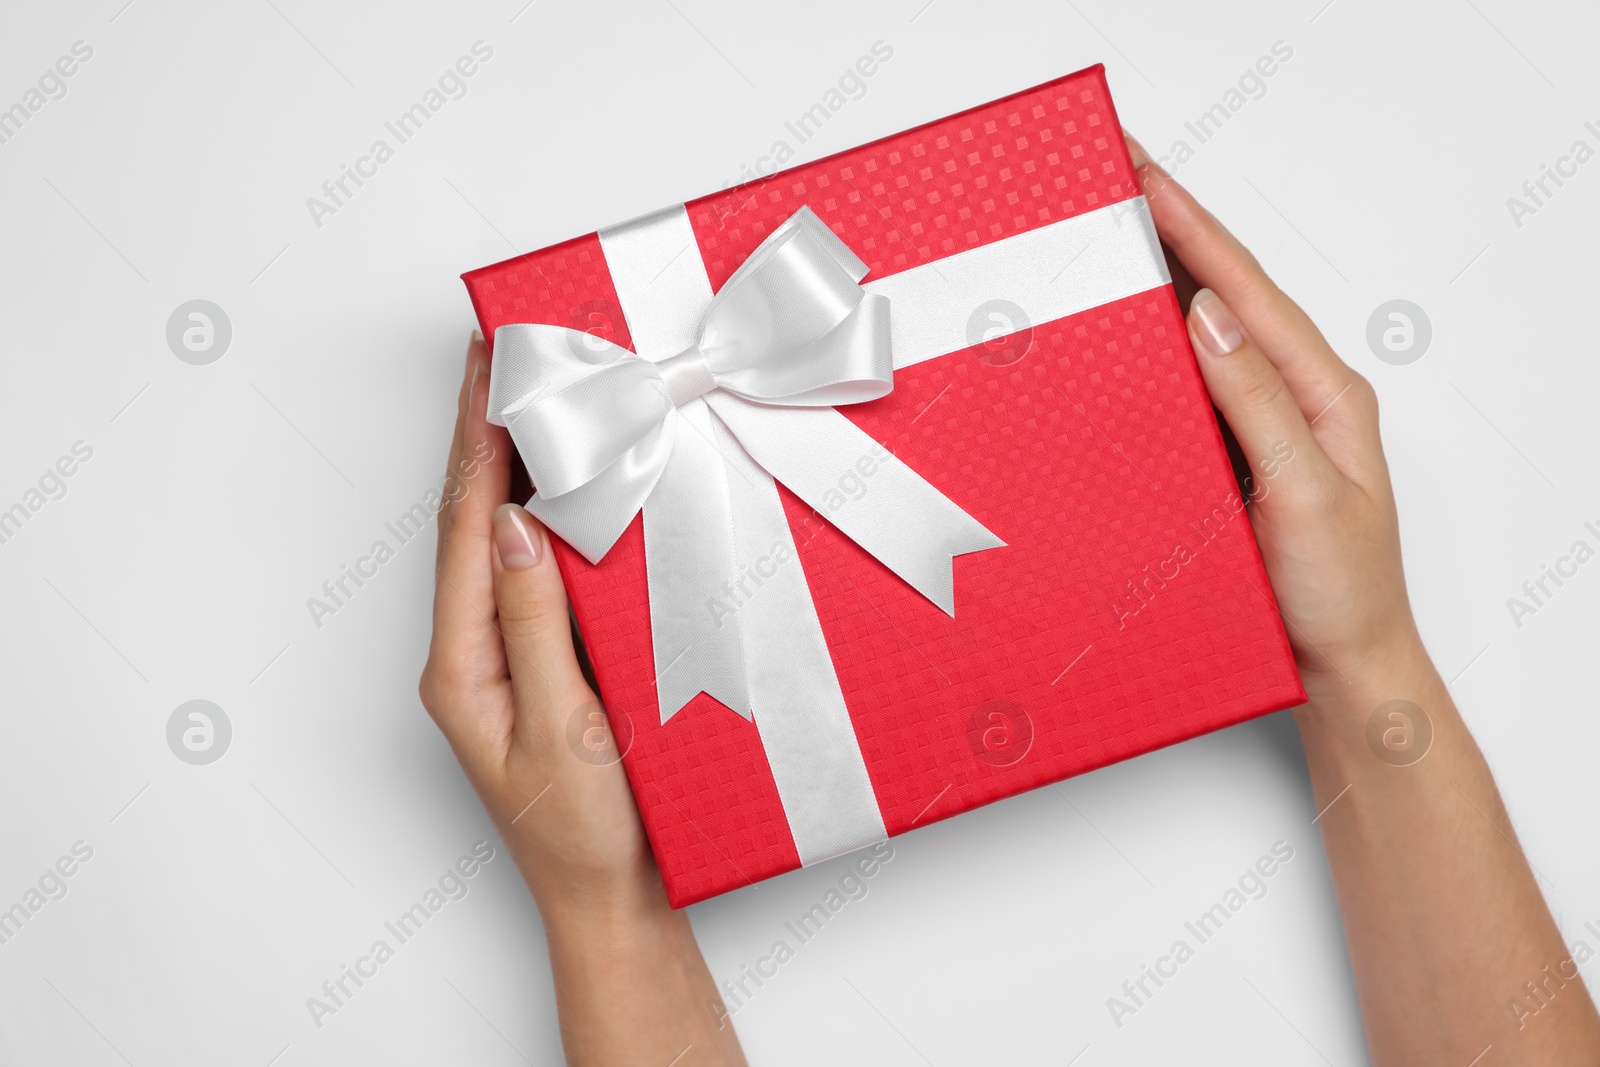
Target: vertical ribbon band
790,687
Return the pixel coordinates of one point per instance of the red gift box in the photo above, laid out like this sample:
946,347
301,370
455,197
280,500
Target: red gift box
1128,608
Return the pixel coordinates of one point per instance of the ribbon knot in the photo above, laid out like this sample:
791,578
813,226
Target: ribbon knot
687,376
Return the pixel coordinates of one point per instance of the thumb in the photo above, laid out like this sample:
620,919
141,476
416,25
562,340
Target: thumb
532,606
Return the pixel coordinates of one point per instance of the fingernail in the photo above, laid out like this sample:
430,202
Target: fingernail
1136,150
477,335
472,390
1215,328
476,426
515,537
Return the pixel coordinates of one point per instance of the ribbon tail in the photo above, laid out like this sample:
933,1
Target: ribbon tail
800,713
695,624
895,514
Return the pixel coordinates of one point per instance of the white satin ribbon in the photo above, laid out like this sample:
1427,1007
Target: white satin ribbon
728,391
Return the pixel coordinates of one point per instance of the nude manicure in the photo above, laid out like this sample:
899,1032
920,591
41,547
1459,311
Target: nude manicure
1215,328
519,545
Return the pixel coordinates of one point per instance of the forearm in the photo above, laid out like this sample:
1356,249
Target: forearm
1442,913
633,988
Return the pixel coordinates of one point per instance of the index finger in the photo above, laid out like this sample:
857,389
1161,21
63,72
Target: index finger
1314,373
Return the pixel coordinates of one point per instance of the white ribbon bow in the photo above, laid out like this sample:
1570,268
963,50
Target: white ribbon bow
605,432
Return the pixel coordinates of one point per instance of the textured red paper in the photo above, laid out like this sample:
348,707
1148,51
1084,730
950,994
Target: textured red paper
1088,445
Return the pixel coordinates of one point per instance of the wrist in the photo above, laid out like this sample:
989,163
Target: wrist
1385,713
613,930
601,907
606,937
1397,668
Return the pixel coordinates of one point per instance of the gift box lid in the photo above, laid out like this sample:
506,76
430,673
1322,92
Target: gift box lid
1129,608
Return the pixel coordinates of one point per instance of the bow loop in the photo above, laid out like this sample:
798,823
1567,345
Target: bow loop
793,326
590,420
611,406
850,364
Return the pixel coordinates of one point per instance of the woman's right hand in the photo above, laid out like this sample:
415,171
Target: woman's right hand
1418,841
1322,507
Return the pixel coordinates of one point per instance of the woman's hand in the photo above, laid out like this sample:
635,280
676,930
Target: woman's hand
1418,841
1323,510
504,685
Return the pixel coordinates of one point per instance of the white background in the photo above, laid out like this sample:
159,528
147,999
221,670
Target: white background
1376,166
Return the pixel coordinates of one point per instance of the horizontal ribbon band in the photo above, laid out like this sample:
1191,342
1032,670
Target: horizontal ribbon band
1056,270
